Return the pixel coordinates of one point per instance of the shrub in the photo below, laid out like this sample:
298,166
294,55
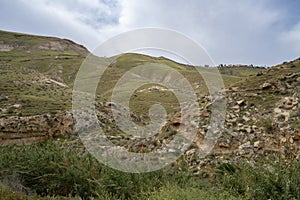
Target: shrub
177,193
268,125
265,181
51,170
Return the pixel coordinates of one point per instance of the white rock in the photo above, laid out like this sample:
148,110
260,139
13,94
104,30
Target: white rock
236,107
266,85
246,118
235,89
245,145
277,110
257,144
17,106
248,129
240,102
283,140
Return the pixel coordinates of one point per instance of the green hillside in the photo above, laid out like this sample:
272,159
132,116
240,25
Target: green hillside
255,156
38,73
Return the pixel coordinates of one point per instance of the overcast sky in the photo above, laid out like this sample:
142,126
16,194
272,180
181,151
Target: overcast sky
261,32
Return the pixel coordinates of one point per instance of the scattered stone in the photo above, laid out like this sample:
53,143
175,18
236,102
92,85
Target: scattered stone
245,145
234,89
277,110
241,102
246,118
5,98
224,145
248,129
236,107
257,144
283,140
16,106
266,85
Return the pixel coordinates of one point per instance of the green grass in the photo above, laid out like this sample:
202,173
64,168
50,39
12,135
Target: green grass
265,180
22,67
273,74
141,101
179,193
63,65
242,71
25,87
7,193
51,170
266,101
27,53
56,170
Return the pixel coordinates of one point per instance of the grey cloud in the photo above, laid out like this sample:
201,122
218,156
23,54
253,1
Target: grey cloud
262,32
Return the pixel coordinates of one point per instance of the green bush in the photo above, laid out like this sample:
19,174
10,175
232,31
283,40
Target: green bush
177,193
266,180
7,194
50,170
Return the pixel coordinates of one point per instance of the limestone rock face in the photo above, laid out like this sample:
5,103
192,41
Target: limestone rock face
31,129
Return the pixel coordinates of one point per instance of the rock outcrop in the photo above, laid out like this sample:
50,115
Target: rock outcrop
32,129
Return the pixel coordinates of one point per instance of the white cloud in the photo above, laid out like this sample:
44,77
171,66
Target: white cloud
39,17
231,31
292,38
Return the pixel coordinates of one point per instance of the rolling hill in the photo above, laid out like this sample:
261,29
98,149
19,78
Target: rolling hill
37,75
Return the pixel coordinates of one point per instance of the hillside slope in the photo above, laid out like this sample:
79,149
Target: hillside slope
37,75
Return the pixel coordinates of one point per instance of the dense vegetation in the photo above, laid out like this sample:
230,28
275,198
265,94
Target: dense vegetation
53,170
